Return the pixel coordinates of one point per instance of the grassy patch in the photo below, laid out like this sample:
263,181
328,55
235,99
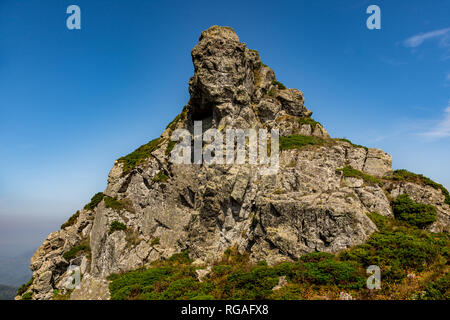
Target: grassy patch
296,141
348,171
272,92
24,287
139,155
405,175
155,241
82,248
95,200
160,177
116,226
170,147
279,84
72,220
413,213
113,203
309,121
27,296
354,145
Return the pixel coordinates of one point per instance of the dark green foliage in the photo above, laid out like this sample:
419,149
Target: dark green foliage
170,147
438,289
413,213
95,200
272,92
309,121
139,155
348,171
278,84
155,241
354,145
27,296
113,203
160,177
76,251
397,248
72,220
296,141
116,226
405,175
24,287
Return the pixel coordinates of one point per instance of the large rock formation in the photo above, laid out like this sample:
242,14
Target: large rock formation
308,205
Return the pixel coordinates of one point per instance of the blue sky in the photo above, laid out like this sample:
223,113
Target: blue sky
73,101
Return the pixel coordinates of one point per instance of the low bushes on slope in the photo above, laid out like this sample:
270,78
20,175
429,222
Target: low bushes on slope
413,213
405,175
397,249
297,141
138,156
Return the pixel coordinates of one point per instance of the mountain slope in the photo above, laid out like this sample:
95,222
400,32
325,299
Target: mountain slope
316,200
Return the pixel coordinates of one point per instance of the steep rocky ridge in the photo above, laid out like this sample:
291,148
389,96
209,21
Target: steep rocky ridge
308,205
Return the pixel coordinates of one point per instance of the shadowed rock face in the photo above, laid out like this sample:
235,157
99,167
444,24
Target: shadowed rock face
307,206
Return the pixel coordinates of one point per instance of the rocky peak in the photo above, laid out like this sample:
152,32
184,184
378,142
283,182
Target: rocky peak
232,87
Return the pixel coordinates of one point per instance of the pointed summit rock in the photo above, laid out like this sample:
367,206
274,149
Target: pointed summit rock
152,208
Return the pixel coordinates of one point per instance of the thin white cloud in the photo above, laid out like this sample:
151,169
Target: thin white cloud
442,128
418,39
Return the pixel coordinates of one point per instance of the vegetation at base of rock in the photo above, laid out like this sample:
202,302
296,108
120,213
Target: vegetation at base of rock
95,200
413,213
353,145
75,251
138,156
296,141
160,177
272,92
279,84
24,287
58,295
27,296
155,241
72,220
397,248
113,203
405,175
170,147
309,121
116,226
350,172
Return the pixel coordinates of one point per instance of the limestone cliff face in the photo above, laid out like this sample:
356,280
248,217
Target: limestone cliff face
308,205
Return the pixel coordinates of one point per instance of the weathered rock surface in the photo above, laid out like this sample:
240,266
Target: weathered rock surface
306,206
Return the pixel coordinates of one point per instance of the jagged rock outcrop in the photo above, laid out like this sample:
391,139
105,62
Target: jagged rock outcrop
308,205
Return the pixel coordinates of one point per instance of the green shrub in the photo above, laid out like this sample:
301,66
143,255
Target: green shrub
160,177
76,251
138,156
116,226
438,289
348,171
405,175
113,203
27,296
309,121
24,287
354,145
272,92
279,85
170,147
155,241
95,200
296,141
72,220
413,213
